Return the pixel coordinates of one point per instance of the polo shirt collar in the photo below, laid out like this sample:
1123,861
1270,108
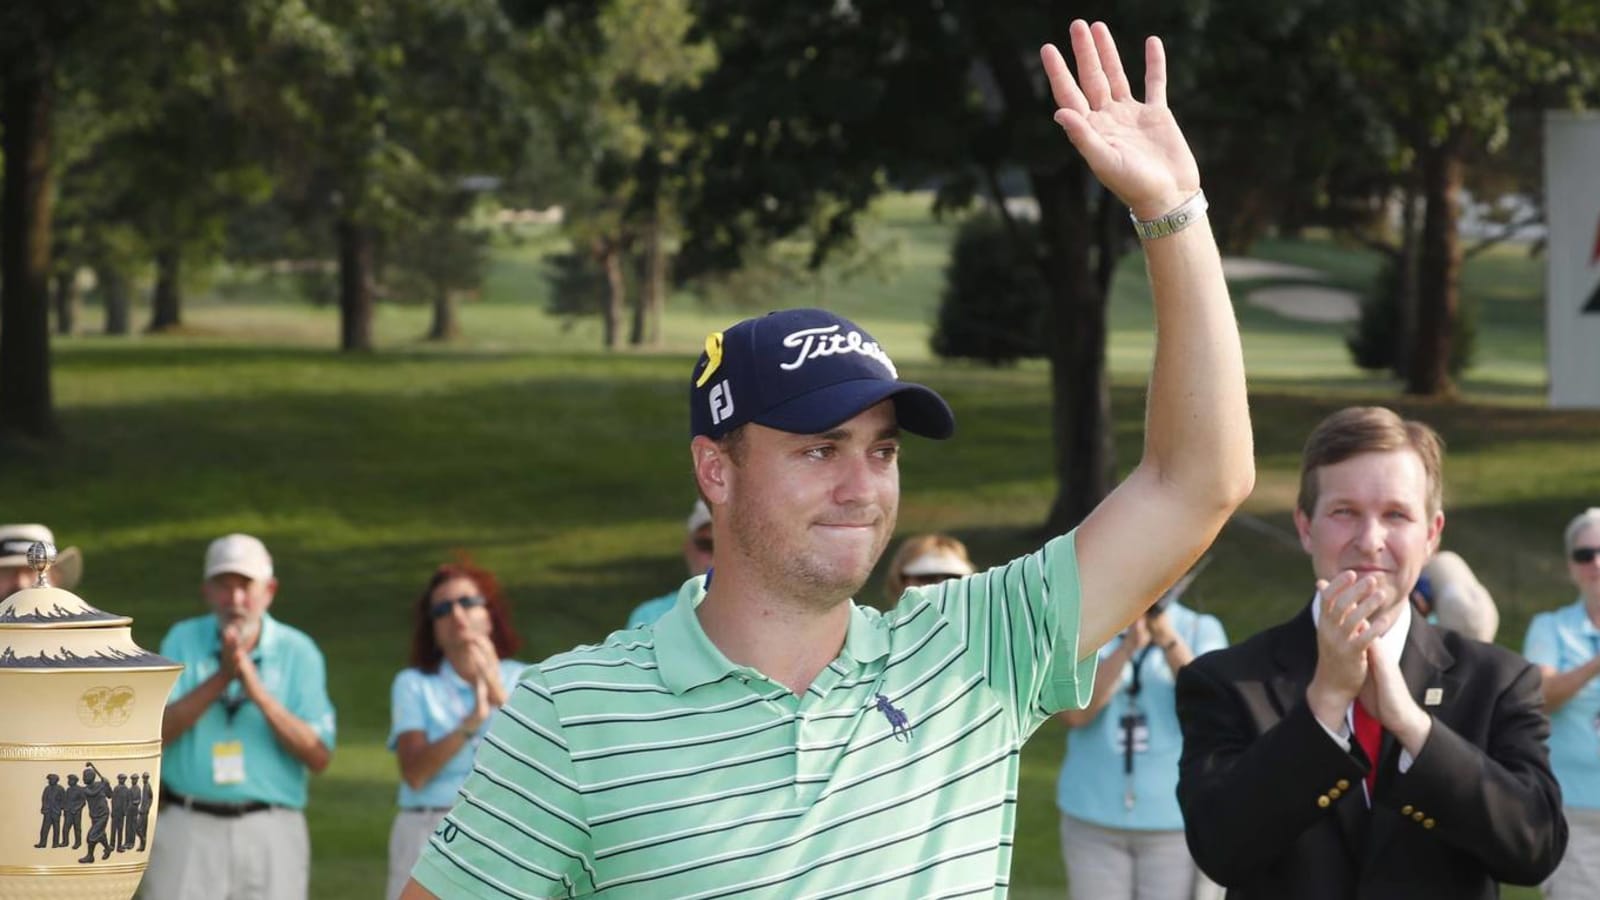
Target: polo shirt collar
1579,612
686,657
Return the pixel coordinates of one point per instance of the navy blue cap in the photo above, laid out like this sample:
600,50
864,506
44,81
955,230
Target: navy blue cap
803,371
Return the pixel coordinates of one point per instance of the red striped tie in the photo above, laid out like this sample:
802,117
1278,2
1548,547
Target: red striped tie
1369,733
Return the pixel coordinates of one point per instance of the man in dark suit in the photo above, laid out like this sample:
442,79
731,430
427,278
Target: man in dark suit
1355,750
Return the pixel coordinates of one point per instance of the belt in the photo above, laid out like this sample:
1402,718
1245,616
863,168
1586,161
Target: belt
426,809
223,810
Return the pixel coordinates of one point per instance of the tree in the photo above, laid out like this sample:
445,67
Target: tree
819,107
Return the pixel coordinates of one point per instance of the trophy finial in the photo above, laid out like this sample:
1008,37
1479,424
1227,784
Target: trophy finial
41,556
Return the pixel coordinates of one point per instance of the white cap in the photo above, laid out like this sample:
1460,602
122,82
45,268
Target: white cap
239,554
15,541
699,517
937,562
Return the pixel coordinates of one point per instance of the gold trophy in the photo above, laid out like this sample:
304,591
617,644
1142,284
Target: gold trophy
80,745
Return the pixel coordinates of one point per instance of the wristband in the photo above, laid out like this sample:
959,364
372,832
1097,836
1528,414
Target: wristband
1177,219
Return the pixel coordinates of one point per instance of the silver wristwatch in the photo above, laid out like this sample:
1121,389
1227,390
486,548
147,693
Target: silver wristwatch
1180,217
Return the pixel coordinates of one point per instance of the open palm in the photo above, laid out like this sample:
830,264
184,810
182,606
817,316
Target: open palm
1135,148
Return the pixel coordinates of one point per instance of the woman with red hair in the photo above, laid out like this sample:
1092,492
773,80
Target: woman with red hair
460,673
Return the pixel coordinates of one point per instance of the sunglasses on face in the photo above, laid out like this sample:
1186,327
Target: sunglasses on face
704,545
441,608
1584,555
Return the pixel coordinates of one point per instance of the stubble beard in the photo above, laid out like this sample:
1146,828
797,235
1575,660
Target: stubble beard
805,578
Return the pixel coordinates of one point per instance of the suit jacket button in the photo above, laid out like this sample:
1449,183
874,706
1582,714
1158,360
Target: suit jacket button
1344,784
1417,816
1406,810
1323,801
1334,793
1427,823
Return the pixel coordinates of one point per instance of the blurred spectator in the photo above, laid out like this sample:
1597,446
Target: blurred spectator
249,722
1450,596
1565,645
1121,829
461,672
925,559
15,574
697,547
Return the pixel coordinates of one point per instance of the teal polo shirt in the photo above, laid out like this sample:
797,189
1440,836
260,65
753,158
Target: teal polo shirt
1565,639
1094,784
652,766
293,670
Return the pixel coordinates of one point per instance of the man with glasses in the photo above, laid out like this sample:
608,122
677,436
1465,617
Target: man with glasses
248,722
697,547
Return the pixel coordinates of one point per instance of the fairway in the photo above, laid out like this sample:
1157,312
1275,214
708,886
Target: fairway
564,470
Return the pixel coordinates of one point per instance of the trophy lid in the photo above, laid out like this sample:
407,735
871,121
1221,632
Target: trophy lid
31,613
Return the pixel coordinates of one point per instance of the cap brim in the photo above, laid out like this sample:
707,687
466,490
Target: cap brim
65,572
918,409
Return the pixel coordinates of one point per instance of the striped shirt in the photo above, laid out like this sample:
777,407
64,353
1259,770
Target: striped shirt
652,766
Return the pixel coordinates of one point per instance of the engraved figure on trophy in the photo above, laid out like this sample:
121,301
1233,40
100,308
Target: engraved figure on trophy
146,797
130,823
119,814
73,824
51,806
98,792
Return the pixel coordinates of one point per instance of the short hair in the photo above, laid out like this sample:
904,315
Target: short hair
894,583
1585,519
1355,430
426,654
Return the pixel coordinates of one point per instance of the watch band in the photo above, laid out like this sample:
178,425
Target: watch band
1177,219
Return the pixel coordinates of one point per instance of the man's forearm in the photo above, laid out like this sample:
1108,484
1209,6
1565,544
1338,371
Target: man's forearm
181,714
1198,431
296,736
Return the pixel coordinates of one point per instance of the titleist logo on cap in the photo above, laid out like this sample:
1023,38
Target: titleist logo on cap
814,343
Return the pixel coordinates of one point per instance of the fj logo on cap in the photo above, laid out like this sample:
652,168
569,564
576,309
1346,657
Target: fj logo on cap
818,342
721,400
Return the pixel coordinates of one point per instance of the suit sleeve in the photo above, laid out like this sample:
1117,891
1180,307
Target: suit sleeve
1247,798
1501,803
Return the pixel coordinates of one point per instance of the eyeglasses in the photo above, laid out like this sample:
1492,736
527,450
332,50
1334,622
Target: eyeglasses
704,545
1582,555
925,580
442,608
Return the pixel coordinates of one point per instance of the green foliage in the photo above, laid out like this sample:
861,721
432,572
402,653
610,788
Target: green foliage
994,295
1376,345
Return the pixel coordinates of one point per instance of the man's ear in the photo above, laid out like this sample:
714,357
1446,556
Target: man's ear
711,470
1302,525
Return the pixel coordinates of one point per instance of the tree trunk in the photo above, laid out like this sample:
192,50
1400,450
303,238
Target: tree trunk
66,302
651,301
609,253
1075,342
355,287
114,295
1406,278
26,407
166,299
446,324
1438,271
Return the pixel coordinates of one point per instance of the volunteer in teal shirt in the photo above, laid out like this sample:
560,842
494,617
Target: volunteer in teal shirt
1122,829
248,723
1565,645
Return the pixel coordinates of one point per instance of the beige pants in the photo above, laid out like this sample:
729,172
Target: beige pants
407,836
1109,863
261,856
1578,876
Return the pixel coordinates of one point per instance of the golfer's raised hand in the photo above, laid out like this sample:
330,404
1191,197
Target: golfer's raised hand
1135,148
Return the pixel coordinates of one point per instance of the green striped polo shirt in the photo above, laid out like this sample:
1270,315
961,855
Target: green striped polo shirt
652,766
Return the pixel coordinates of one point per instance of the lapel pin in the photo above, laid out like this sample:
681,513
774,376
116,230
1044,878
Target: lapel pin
1433,697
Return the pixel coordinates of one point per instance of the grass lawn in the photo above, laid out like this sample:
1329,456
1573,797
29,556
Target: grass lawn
564,470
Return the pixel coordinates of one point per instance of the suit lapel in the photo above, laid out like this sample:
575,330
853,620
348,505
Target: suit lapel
1423,663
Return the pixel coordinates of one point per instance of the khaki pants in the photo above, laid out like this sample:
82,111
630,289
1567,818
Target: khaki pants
407,836
1112,863
1578,876
264,855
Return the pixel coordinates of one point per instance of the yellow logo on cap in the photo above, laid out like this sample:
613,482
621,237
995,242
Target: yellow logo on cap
713,358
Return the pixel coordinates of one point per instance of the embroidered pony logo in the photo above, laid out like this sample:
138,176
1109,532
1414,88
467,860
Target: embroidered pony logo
900,725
